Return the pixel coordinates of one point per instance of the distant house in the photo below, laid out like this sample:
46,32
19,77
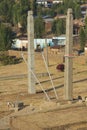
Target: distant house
42,43
60,40
57,1
83,10
60,16
20,44
48,24
48,3
42,2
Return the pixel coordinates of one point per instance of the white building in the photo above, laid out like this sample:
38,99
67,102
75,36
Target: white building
57,1
21,43
61,40
48,3
42,2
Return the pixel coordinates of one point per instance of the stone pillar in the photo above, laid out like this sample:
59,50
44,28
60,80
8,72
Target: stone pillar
68,85
30,31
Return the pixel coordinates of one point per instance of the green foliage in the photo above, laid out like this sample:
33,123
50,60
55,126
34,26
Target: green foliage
15,12
75,7
5,37
20,10
77,11
68,4
39,10
82,38
6,10
86,28
62,8
34,6
8,60
58,26
83,35
39,27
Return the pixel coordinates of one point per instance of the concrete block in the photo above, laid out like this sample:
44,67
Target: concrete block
19,104
80,101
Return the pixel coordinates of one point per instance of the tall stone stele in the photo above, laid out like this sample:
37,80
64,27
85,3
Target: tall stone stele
30,31
68,77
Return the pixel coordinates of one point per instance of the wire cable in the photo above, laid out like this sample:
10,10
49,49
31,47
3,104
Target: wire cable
49,75
36,78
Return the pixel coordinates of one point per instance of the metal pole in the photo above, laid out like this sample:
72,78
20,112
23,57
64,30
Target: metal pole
68,56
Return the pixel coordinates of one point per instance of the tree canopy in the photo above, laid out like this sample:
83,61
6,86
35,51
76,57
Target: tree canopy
15,12
39,27
58,26
6,36
82,37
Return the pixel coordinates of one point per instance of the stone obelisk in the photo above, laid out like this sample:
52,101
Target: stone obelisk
68,77
30,31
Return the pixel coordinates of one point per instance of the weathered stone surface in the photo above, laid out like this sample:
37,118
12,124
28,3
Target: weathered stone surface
68,56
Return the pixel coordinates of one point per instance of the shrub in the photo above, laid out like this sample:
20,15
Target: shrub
60,67
8,60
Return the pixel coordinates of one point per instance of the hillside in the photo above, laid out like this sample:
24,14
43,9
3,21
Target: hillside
14,83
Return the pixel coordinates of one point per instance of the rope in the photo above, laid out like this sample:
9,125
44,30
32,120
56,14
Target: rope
36,78
49,75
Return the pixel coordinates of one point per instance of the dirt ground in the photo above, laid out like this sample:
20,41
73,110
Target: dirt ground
14,81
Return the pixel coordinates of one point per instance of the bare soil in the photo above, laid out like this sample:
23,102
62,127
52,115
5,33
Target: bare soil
14,84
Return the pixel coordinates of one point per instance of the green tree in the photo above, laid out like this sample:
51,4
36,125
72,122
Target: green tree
33,6
23,9
6,37
86,28
58,26
6,7
77,11
20,10
39,10
15,13
54,26
39,27
68,4
82,38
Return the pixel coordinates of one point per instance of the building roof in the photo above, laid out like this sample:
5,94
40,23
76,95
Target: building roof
60,16
41,0
84,5
48,20
78,22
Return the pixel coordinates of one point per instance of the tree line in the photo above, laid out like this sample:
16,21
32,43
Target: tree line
14,12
